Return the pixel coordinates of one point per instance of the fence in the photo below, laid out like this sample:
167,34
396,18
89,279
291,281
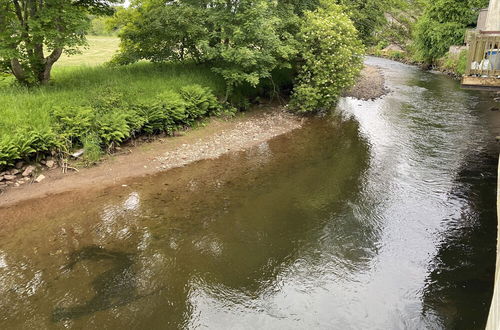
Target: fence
484,56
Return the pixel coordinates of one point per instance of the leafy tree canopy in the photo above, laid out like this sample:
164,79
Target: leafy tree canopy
442,25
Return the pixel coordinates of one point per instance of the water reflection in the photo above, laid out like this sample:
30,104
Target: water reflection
113,288
460,285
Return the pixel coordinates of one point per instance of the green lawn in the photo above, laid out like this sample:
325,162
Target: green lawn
98,51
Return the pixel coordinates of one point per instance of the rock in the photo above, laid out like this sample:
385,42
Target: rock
493,109
50,163
14,171
19,165
43,162
78,153
9,177
28,170
40,178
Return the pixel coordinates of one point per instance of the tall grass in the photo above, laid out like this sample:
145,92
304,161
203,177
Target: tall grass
78,86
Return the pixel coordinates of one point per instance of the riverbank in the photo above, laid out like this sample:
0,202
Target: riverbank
370,84
211,140
216,138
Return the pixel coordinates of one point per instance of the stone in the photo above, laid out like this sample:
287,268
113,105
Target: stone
78,153
19,165
40,178
493,109
9,177
50,163
14,171
28,170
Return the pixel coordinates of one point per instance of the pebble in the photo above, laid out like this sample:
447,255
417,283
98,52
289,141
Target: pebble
28,170
50,163
40,178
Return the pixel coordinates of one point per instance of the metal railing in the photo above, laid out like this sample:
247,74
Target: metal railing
484,56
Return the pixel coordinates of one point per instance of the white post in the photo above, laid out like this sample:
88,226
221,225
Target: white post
493,19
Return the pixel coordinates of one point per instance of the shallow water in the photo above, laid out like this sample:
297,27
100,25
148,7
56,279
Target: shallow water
381,216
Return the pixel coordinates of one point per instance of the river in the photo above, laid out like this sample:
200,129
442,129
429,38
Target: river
381,215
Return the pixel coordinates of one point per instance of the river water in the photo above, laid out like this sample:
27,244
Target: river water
379,216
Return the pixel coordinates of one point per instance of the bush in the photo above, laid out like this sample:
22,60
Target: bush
72,123
26,143
331,59
199,101
112,127
174,109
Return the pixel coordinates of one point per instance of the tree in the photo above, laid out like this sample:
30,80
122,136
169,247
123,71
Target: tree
442,25
30,28
331,57
241,39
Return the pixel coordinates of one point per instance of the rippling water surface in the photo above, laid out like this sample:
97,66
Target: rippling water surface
381,216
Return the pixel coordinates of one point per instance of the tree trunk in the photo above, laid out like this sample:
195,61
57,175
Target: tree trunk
44,73
17,70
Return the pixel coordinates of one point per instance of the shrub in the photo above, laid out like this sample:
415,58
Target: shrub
72,123
112,127
25,143
9,152
174,108
331,58
199,101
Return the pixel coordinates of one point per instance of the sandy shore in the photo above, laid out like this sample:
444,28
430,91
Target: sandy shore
211,141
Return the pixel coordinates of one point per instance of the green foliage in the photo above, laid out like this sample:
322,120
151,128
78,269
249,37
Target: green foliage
199,101
331,58
72,123
91,145
112,127
454,63
26,143
101,26
442,25
241,40
67,111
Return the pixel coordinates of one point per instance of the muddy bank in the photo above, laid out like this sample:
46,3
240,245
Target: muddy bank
370,85
216,138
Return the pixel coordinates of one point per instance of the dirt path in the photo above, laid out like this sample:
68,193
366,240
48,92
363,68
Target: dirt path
215,139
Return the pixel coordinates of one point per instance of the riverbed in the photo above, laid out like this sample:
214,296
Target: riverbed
381,215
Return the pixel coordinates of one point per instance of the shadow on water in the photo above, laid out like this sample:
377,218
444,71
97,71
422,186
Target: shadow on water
113,288
459,288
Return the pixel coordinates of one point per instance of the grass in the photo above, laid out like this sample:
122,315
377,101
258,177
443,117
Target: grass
99,51
78,86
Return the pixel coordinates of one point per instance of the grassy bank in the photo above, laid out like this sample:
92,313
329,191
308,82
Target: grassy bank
102,106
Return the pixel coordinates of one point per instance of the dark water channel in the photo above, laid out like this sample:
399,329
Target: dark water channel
381,216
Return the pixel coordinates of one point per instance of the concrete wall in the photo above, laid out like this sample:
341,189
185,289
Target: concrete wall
481,20
493,19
